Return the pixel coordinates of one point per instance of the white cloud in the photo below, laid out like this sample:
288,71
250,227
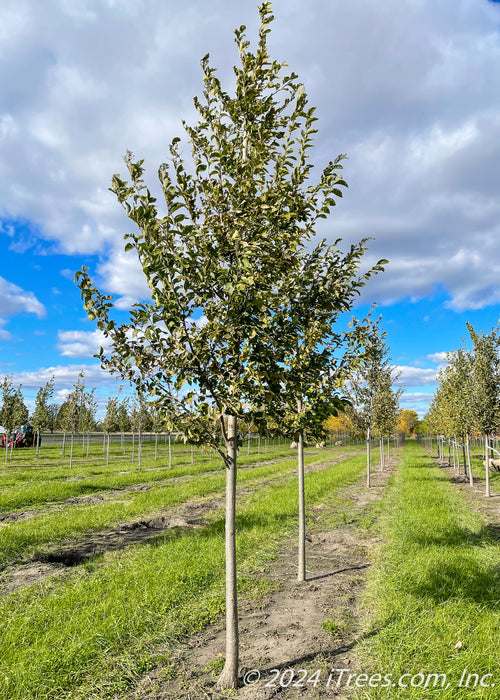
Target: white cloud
65,377
406,89
415,376
15,300
81,343
437,357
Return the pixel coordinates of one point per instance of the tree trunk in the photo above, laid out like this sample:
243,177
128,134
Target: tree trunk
64,445
107,451
449,453
301,573
156,447
71,452
368,457
464,456
229,675
487,466
169,450
471,476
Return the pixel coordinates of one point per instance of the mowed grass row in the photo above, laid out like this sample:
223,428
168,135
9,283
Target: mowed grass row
95,635
29,538
434,592
28,492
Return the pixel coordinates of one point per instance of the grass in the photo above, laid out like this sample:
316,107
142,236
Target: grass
94,635
434,592
27,538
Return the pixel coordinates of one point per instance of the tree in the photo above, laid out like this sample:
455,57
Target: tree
407,421
385,406
223,250
485,388
364,384
42,417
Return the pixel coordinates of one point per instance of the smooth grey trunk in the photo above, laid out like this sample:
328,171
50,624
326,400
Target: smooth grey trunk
464,456
368,457
449,453
301,572
229,675
469,464
487,466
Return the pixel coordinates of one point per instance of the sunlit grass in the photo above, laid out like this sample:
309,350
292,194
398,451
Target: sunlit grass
434,593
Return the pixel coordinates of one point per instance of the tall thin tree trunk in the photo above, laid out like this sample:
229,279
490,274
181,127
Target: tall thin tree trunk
469,464
301,572
71,451
464,456
368,457
229,675
487,465
449,453
156,447
169,450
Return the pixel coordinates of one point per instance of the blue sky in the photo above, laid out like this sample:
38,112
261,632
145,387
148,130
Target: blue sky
409,91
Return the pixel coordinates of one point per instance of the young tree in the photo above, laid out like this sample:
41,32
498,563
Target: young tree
485,388
224,249
364,383
42,418
385,407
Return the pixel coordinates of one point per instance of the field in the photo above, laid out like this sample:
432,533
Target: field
113,577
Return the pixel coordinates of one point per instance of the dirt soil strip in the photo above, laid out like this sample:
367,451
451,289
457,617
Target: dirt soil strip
303,630
60,562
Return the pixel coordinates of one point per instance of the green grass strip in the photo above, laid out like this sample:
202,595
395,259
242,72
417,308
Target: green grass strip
23,538
94,635
434,593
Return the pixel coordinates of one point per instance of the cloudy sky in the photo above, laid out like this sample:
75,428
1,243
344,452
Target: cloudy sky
410,91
